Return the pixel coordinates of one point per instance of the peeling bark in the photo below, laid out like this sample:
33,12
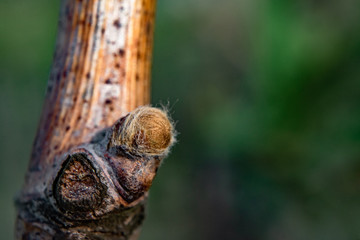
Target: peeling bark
77,187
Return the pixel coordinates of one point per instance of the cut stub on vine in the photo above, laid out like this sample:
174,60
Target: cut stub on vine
77,187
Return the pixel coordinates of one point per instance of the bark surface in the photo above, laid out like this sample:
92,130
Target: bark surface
77,187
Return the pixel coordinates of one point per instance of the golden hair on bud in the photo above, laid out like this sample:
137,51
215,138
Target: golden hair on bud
144,131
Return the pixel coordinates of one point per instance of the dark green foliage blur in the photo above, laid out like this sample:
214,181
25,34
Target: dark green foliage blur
266,96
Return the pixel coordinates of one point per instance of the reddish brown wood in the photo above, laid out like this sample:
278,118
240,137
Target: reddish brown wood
101,71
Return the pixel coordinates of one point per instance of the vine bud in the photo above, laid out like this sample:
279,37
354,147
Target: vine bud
146,131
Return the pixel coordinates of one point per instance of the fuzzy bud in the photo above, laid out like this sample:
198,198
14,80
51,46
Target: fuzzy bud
146,131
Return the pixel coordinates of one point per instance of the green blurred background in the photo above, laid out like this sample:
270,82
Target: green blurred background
266,96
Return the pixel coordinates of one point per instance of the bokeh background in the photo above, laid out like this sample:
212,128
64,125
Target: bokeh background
266,96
